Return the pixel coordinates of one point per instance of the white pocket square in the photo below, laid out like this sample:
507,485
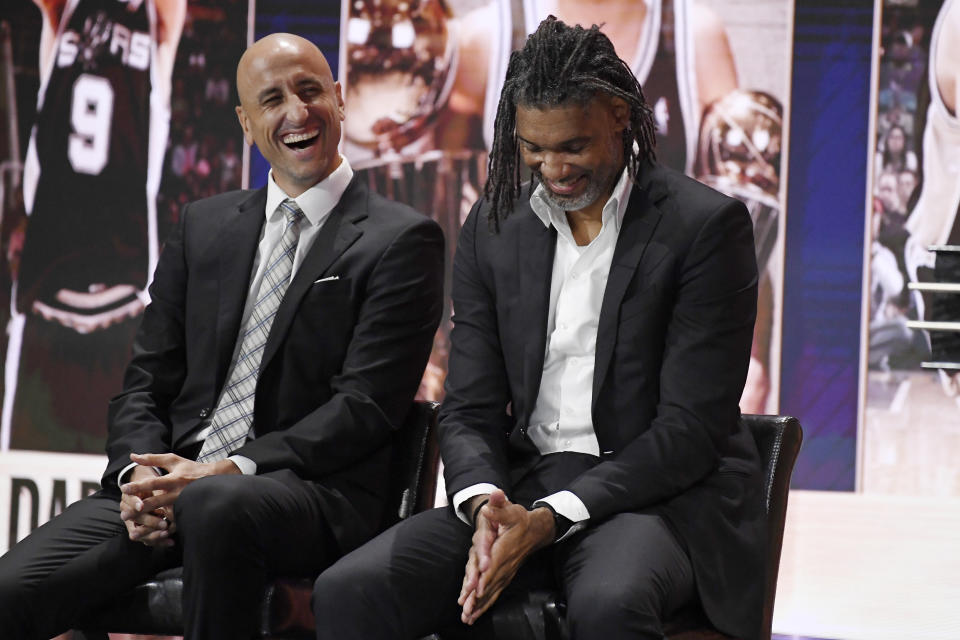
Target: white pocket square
327,279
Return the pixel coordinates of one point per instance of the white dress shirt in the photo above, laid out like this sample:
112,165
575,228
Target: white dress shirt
561,419
316,203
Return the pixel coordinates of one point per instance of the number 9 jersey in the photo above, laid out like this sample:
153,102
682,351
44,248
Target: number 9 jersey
95,155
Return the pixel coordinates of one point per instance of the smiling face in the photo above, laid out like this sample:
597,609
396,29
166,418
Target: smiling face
576,151
291,108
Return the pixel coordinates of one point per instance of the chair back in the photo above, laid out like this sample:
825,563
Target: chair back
414,464
778,440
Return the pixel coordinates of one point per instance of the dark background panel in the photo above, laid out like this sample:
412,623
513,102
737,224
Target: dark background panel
823,271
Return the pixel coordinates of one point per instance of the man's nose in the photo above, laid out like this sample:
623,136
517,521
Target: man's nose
296,110
553,167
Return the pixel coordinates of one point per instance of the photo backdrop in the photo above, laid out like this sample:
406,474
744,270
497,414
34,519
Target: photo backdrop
127,115
825,116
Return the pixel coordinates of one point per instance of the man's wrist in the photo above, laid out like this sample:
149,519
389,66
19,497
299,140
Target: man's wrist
226,467
561,524
474,505
476,511
138,472
463,500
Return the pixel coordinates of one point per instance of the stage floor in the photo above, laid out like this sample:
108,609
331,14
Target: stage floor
911,436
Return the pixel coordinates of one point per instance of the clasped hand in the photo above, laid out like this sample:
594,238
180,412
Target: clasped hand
505,534
147,503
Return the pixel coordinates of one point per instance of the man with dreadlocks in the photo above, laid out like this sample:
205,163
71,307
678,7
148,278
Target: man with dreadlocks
590,432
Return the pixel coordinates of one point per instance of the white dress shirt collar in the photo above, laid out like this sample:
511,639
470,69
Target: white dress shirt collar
615,207
316,202
562,419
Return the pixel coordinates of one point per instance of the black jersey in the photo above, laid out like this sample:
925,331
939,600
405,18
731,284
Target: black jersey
662,87
91,200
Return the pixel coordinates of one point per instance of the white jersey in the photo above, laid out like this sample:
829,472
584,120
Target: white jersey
933,218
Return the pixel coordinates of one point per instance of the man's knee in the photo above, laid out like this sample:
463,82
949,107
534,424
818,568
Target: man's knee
615,608
213,506
344,601
332,589
403,583
348,586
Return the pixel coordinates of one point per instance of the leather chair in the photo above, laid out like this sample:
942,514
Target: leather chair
539,615
155,607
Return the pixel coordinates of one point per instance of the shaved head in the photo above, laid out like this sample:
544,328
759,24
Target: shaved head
291,108
259,55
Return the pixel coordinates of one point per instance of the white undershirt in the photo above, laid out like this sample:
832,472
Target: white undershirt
561,419
316,203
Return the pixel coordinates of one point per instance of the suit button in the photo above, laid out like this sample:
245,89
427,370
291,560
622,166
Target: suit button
204,412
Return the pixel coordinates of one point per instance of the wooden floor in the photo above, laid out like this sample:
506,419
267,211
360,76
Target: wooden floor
911,436
870,567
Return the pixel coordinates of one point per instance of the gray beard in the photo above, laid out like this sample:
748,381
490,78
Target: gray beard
572,203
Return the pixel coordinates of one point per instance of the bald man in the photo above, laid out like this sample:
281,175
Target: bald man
283,345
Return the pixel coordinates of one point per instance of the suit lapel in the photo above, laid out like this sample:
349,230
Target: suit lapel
535,248
639,223
341,229
239,234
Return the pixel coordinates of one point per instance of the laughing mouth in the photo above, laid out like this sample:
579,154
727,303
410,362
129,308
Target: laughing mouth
300,140
566,187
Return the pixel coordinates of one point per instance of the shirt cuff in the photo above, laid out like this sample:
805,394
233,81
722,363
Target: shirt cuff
570,507
247,466
127,469
460,497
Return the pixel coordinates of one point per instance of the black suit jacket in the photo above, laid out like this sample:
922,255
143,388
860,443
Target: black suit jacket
673,345
341,364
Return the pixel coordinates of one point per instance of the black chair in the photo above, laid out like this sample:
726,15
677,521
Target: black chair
155,607
539,615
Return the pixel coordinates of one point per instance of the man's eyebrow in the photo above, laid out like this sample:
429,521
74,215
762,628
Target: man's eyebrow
311,82
565,143
266,93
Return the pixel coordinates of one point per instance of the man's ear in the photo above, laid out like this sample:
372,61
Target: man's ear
244,124
620,111
339,93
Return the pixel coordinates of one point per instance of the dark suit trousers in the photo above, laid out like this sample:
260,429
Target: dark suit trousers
233,533
619,576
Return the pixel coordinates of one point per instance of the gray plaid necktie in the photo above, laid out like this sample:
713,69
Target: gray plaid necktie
234,414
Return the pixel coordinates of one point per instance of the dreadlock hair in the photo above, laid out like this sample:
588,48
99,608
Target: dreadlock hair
560,64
